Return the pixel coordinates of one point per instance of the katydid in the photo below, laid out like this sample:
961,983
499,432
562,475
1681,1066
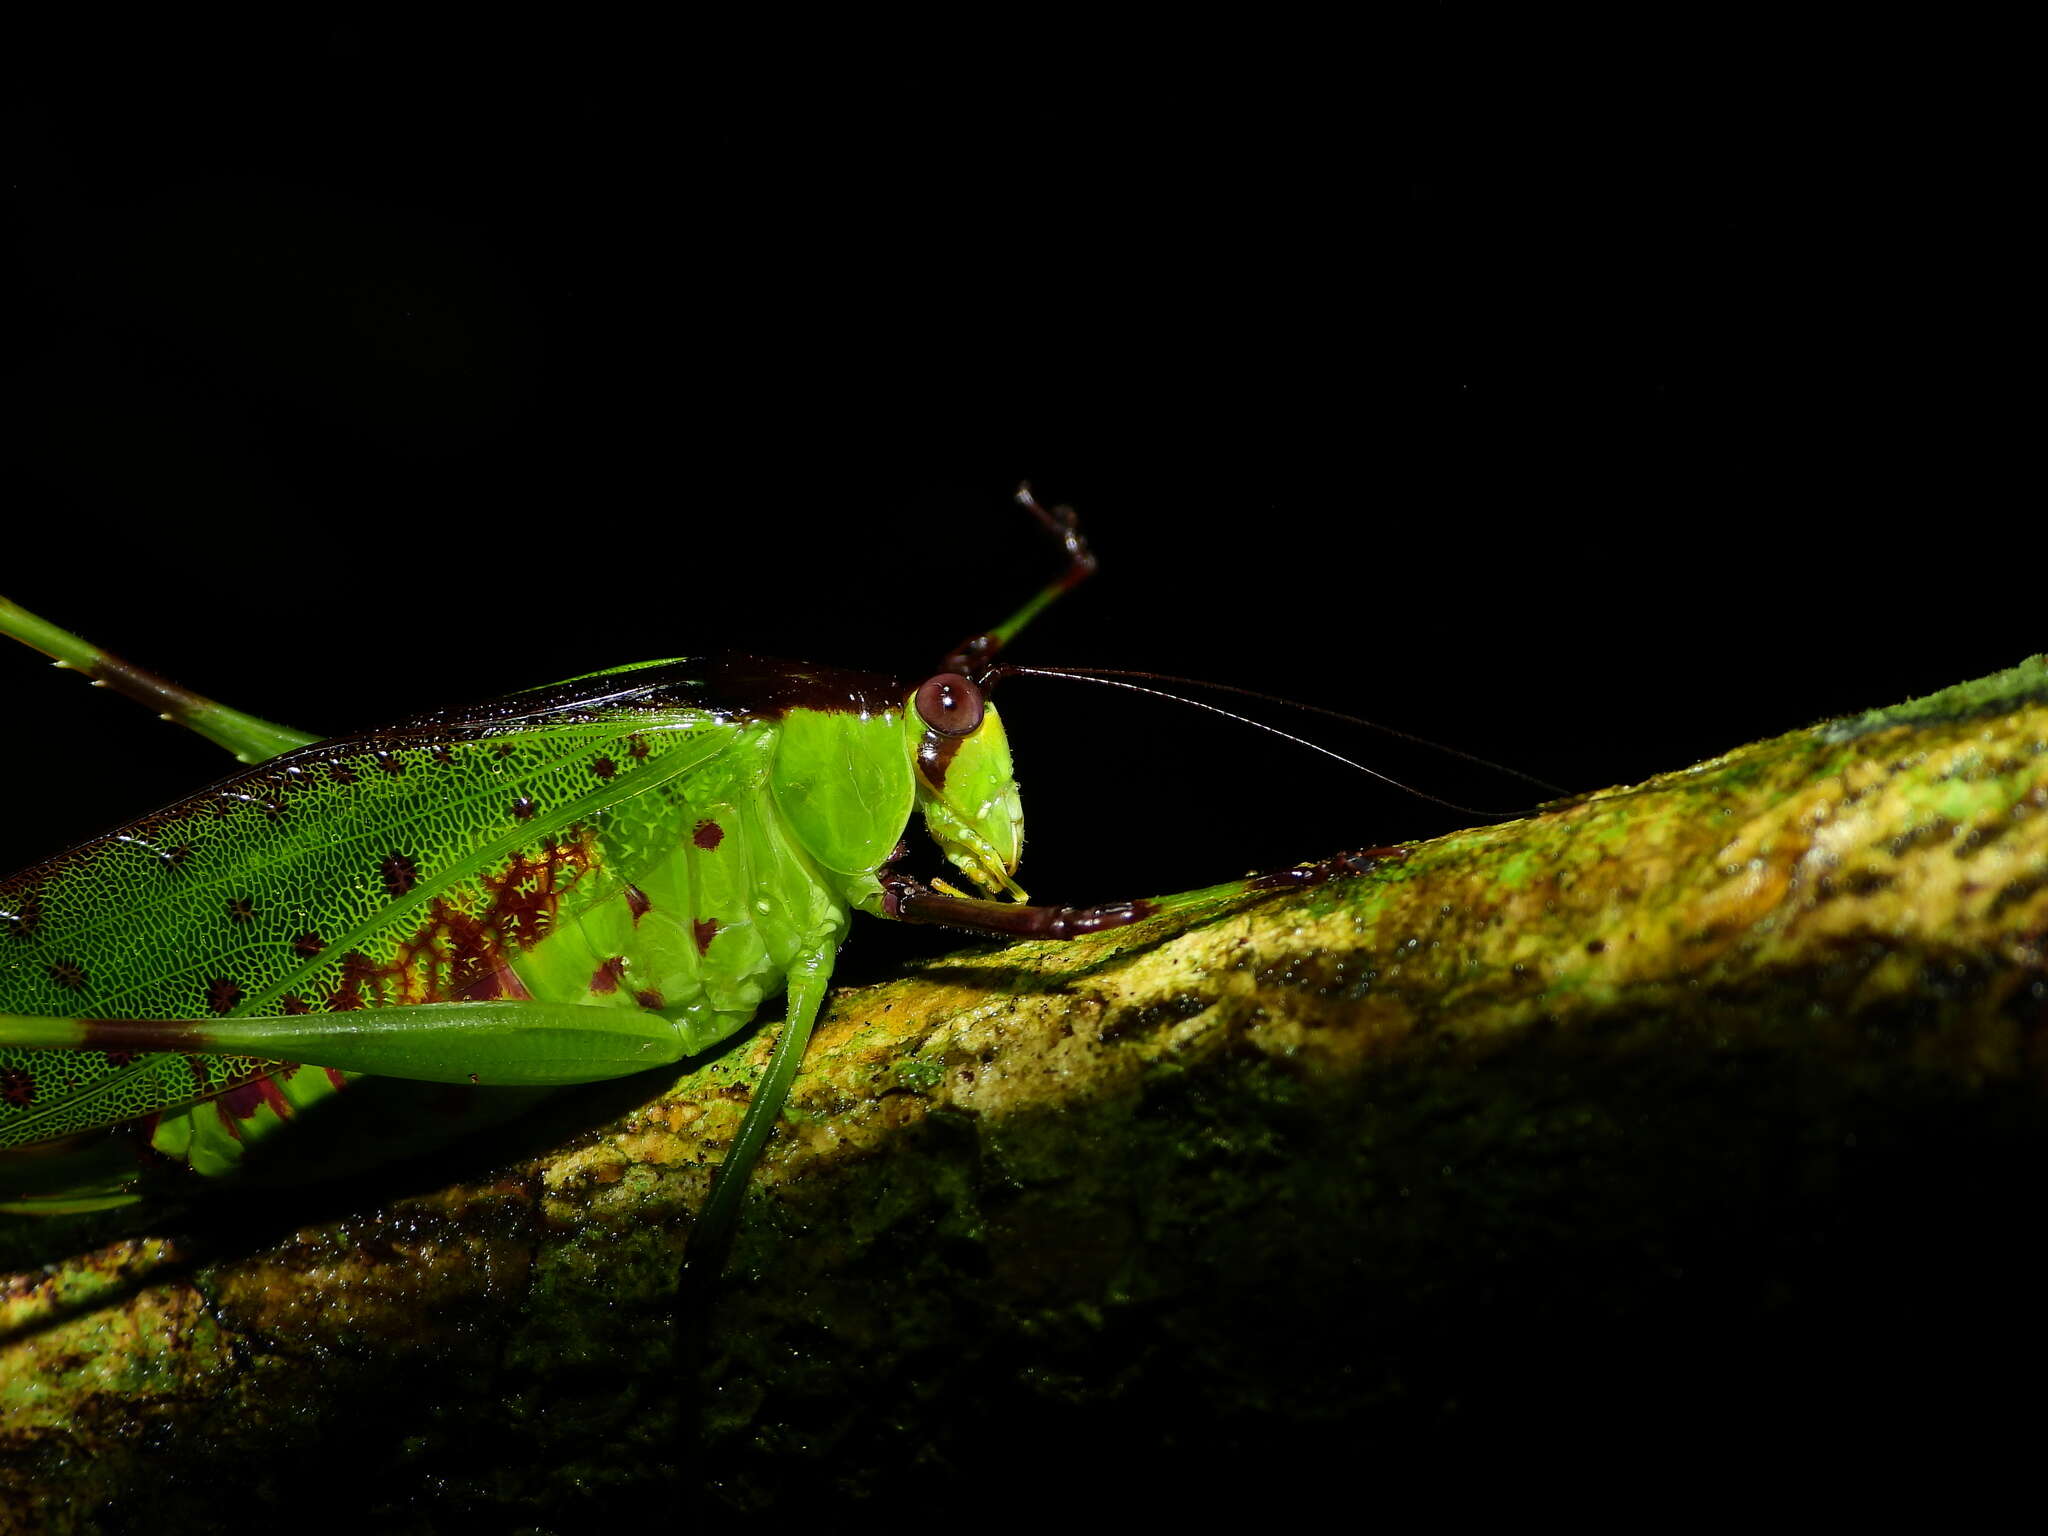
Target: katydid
572,883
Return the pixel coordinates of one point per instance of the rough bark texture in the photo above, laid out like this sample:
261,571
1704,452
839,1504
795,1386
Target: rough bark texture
1676,1136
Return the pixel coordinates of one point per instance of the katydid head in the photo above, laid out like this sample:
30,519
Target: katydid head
966,786
848,796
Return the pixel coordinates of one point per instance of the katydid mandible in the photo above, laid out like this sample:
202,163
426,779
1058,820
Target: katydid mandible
572,883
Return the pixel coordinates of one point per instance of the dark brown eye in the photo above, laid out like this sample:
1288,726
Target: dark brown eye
949,704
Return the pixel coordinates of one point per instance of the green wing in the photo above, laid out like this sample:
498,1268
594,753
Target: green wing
408,865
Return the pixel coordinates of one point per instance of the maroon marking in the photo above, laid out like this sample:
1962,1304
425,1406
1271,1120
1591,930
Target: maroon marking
636,746
606,977
24,913
525,898
704,930
400,872
122,1041
17,1086
603,767
222,994
523,808
273,1090
177,858
158,854
502,750
910,900
158,694
138,1035
241,909
308,944
244,1099
292,1003
1338,866
273,808
358,971
464,947
649,999
935,754
637,903
388,761
708,834
442,755
766,688
237,1104
68,973
341,773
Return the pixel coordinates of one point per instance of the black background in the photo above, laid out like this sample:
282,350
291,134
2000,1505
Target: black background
359,372
356,371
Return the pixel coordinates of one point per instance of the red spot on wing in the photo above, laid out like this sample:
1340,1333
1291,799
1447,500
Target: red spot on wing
68,973
463,950
17,1087
606,977
400,873
708,834
704,930
604,767
233,1107
637,903
308,944
222,994
22,911
648,999
358,973
505,981
244,1099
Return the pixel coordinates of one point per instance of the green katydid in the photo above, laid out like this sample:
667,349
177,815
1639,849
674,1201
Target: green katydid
576,882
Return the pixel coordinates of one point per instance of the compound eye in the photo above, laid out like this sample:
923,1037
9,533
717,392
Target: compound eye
950,704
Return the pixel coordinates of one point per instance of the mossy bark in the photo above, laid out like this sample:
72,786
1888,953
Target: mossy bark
1695,1120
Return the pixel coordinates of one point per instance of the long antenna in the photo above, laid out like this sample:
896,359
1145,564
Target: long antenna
1110,679
1314,709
